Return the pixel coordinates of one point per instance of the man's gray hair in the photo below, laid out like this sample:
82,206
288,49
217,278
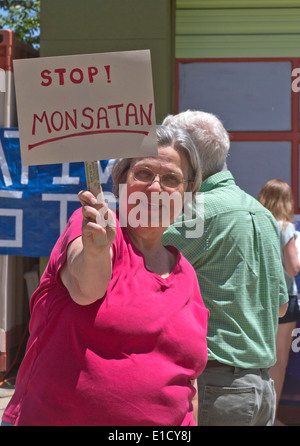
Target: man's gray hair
175,137
209,136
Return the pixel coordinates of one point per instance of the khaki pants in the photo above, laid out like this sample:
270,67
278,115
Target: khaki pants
231,396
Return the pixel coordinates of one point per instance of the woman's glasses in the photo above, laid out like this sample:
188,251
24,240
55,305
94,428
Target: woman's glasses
169,180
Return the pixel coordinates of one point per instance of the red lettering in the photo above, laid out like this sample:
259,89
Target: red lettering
143,113
134,114
107,69
117,111
61,72
102,117
60,121
109,117
84,113
73,119
40,119
76,75
46,75
73,79
92,71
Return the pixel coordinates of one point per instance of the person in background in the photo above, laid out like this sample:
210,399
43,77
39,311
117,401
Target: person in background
238,265
118,326
276,195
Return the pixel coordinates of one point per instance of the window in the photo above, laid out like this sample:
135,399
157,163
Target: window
255,101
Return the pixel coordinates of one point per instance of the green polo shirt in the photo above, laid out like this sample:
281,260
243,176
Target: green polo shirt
238,263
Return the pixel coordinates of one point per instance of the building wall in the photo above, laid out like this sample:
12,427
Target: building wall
96,26
237,28
236,58
172,28
193,30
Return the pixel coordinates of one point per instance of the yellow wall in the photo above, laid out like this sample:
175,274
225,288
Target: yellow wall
96,26
237,28
204,29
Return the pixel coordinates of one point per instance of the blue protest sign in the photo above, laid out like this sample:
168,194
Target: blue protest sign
37,201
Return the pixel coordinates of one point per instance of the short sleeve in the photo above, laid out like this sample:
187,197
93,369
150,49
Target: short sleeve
287,233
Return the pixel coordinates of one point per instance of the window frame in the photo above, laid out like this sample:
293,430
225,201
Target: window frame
292,136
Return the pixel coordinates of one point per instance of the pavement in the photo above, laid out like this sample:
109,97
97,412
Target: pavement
5,395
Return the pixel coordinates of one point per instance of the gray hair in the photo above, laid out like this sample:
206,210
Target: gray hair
177,138
209,136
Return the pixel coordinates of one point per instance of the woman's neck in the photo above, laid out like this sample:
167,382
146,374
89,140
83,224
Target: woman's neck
146,239
158,259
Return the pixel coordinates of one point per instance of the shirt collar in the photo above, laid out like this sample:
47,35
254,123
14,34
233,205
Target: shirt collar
219,179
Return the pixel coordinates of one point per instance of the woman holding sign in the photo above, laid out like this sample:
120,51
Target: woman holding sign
118,328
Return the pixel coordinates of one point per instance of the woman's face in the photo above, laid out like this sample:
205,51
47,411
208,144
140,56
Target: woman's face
155,189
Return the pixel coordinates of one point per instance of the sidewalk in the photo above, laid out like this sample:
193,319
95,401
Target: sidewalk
5,396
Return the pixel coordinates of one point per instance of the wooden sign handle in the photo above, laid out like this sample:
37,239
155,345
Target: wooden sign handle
93,185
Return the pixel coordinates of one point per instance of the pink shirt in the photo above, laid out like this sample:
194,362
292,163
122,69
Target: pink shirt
126,359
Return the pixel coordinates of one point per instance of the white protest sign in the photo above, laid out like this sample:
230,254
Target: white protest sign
85,107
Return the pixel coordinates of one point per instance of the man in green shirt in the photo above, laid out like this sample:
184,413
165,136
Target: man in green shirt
238,264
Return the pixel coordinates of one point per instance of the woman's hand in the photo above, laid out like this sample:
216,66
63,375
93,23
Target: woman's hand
98,226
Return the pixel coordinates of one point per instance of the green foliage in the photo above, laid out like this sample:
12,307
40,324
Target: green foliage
23,17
